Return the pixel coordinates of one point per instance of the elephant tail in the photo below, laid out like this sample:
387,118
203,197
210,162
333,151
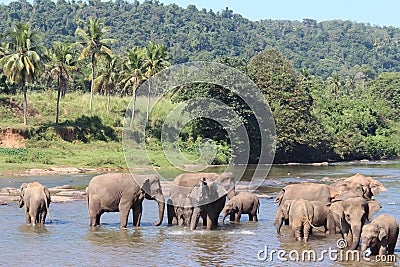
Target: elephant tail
47,206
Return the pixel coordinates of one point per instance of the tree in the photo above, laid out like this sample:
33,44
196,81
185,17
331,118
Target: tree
23,62
63,62
92,36
108,78
290,103
133,73
156,59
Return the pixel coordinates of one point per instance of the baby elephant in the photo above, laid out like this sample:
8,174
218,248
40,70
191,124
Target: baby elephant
243,203
36,199
380,235
304,214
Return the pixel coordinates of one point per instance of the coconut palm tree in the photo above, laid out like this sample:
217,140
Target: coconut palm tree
92,37
156,59
22,62
109,77
62,63
133,74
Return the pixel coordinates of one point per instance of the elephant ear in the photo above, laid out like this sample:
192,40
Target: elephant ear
278,199
337,208
373,207
382,233
146,187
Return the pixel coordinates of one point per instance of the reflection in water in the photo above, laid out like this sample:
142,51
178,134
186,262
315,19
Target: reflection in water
37,229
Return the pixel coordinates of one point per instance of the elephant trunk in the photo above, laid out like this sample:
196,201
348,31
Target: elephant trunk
364,247
223,218
356,232
161,208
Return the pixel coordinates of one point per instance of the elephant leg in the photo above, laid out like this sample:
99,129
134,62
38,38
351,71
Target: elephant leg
237,216
210,223
43,217
250,217
97,219
195,218
137,213
297,234
255,217
204,218
123,214
27,217
232,217
391,247
307,231
170,214
93,220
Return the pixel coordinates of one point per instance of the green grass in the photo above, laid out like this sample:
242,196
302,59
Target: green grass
86,138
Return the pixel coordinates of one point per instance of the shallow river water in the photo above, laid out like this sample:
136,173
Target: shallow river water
69,241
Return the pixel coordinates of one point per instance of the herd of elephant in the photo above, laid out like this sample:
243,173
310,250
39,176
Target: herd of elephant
344,206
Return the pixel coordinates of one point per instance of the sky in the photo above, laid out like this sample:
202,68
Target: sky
381,13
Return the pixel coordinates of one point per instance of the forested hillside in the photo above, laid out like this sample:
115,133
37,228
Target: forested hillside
193,34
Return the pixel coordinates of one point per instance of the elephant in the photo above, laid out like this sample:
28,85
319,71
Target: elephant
242,203
36,199
185,182
179,207
321,214
358,189
121,192
307,191
375,186
207,203
350,214
380,235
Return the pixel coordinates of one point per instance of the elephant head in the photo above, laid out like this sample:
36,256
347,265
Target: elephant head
284,216
151,189
184,211
22,190
352,213
370,237
230,208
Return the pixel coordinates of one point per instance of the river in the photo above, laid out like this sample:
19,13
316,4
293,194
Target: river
69,241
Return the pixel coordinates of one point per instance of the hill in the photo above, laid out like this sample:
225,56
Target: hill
193,34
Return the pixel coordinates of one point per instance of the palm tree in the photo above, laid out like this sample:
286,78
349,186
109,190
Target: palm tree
335,82
63,62
92,36
108,78
22,62
133,74
156,59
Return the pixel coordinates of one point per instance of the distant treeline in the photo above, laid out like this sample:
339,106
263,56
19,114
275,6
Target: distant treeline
193,34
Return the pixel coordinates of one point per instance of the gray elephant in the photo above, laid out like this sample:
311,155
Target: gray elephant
122,192
242,203
208,204
358,189
184,183
380,235
179,207
351,214
321,215
375,186
307,191
36,199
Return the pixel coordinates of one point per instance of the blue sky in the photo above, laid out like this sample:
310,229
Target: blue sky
382,12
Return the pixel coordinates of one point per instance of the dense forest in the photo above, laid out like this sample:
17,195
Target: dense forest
333,86
192,34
